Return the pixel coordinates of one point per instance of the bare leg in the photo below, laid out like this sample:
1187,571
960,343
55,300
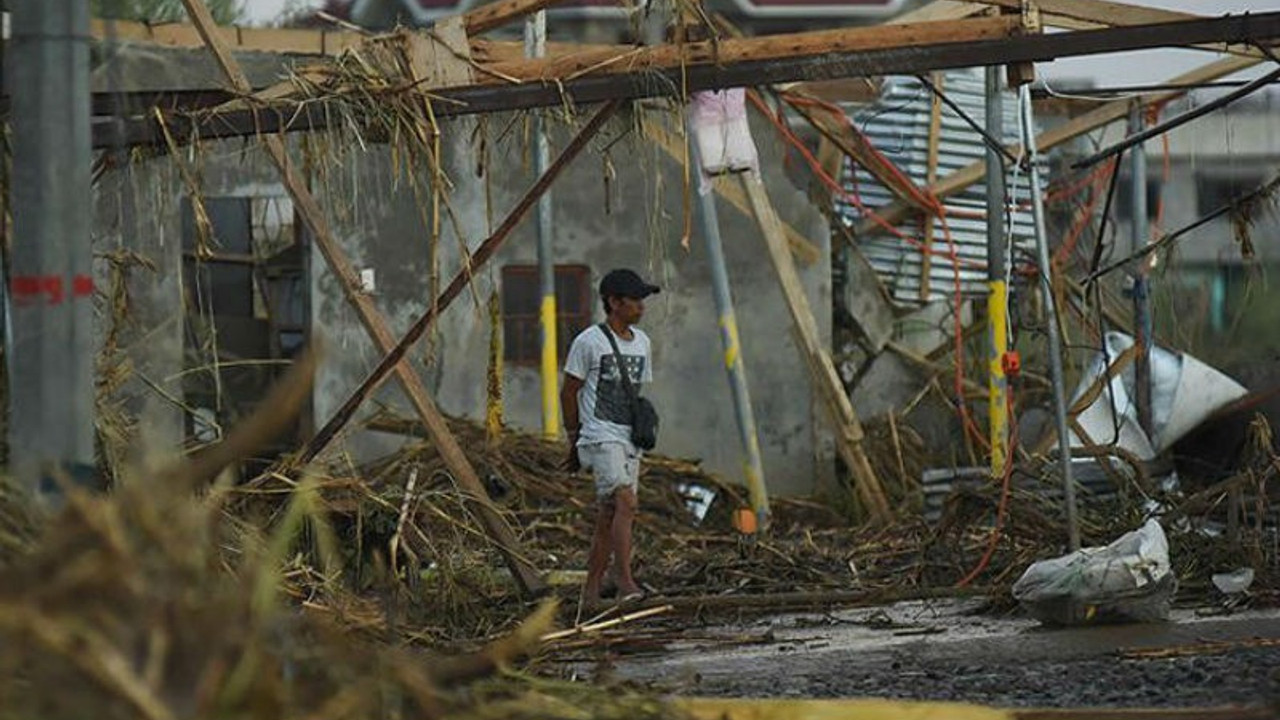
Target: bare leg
598,557
624,515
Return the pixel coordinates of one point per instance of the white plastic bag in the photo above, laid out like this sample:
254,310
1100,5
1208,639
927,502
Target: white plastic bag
720,128
1126,581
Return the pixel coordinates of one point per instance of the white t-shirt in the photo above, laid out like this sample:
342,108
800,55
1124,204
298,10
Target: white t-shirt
604,408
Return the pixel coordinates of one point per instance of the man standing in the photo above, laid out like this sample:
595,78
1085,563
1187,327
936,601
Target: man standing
597,407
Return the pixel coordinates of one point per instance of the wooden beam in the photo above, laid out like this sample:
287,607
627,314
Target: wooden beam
936,50
375,324
726,53
272,40
826,380
316,43
1090,14
394,353
1099,12
1100,117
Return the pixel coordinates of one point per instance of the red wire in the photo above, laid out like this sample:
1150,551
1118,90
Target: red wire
1084,216
1001,509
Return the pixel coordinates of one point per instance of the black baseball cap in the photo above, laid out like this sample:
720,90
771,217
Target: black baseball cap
626,283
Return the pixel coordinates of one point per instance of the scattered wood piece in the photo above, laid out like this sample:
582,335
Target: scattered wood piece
1206,648
605,624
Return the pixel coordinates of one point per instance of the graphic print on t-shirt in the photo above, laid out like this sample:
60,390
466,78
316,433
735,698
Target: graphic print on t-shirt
613,404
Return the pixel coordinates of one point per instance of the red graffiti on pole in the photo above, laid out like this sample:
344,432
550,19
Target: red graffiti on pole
28,290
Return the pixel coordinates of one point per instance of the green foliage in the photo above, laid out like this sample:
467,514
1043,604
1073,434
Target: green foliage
225,12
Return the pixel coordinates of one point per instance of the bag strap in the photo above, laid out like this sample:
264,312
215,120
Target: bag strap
622,365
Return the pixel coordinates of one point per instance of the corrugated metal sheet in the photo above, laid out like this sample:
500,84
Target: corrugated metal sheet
898,126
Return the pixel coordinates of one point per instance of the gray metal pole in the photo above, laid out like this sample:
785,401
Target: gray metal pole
1055,341
753,467
51,422
997,288
1141,290
995,176
535,45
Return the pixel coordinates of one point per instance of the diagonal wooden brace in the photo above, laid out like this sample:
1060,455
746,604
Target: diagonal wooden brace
500,534
460,281
826,379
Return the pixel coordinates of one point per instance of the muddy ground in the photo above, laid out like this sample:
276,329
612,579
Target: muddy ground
949,650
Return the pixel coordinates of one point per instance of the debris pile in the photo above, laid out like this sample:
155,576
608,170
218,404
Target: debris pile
153,603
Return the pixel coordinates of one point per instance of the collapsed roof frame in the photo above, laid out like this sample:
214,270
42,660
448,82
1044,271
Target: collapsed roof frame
603,73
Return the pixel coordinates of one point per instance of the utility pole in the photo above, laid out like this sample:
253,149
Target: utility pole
1139,235
997,288
1051,314
51,420
753,466
535,45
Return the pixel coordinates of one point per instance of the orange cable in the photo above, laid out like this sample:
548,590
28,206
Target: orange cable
1001,509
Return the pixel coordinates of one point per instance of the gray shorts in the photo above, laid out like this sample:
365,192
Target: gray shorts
614,465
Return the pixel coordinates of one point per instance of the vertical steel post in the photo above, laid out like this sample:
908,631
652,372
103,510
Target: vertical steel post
753,467
1139,234
51,279
998,291
535,45
1051,309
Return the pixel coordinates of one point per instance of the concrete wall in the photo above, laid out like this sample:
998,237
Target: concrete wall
136,218
642,230
382,221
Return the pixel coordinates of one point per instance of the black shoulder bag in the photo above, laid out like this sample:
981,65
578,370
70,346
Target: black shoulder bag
644,417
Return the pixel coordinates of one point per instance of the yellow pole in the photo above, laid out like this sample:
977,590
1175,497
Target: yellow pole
549,368
998,289
535,45
493,396
998,410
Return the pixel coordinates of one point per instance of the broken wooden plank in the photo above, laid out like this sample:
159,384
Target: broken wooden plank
375,324
826,380
1091,14
1099,117
942,51
273,40
441,58
790,48
394,352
